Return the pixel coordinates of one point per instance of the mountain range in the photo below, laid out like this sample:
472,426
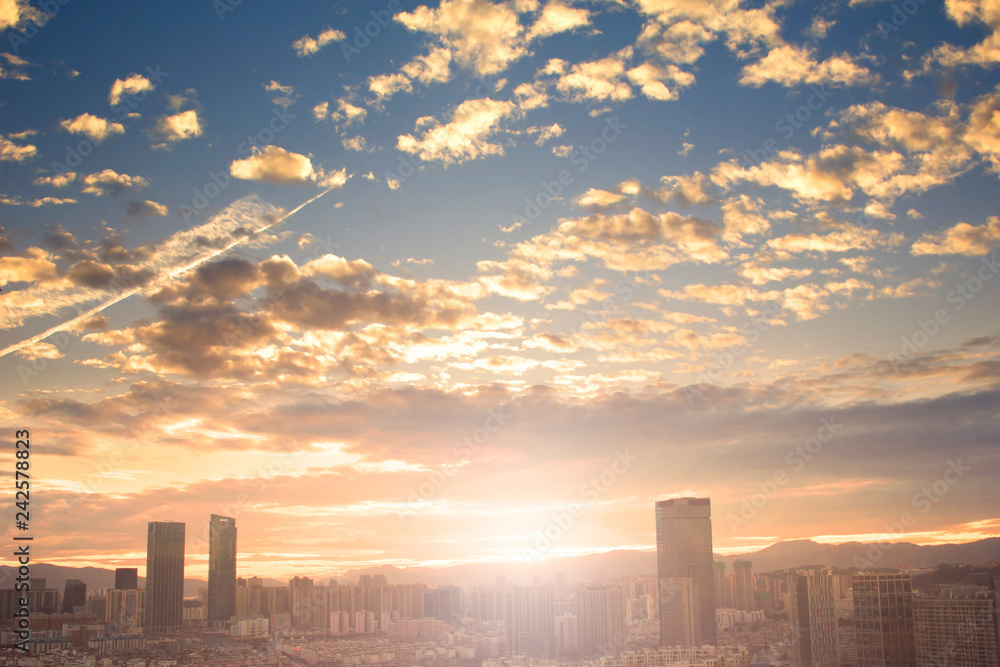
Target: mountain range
617,563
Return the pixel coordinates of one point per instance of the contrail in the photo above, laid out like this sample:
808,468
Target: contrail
158,282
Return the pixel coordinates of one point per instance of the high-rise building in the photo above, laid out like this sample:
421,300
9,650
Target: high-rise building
684,550
74,595
164,576
958,628
743,588
720,585
601,620
124,610
221,568
678,612
530,622
302,600
883,620
567,636
814,621
126,578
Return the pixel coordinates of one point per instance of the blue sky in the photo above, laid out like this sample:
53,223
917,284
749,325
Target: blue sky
689,229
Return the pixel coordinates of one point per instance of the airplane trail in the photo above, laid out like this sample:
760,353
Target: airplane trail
155,284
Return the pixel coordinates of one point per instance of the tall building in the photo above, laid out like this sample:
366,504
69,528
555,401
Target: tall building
684,550
958,628
164,576
126,578
883,620
221,568
123,612
743,588
814,621
74,595
678,612
302,600
720,585
601,620
567,636
529,620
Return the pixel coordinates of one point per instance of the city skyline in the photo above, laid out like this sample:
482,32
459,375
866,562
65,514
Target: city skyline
480,281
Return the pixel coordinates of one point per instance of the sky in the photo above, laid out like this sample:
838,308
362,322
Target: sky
428,284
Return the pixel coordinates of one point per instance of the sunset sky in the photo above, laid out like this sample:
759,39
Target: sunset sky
556,256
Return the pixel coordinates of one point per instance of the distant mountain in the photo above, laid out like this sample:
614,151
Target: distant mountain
802,553
95,577
618,563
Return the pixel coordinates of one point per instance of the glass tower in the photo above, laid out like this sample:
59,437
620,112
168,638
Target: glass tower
221,568
684,551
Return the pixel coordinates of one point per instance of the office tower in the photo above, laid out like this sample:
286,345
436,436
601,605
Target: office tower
164,576
126,578
300,593
530,622
814,621
221,568
883,620
678,612
684,550
743,585
567,636
74,595
450,604
124,611
720,585
958,628
601,620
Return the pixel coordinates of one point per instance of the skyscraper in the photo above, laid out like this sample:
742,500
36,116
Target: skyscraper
530,622
684,550
126,578
958,628
74,595
602,620
164,576
883,620
721,601
743,588
221,568
814,621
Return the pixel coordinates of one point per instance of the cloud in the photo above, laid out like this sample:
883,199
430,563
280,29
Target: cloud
985,53
660,82
97,129
145,209
597,80
16,66
131,85
57,181
557,17
983,130
742,216
306,46
35,266
287,96
962,239
838,241
596,198
483,36
794,66
16,13
178,127
110,182
275,165
16,200
11,152
465,137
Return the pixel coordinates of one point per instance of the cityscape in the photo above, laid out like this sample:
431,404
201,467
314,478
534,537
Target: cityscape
695,611
500,333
